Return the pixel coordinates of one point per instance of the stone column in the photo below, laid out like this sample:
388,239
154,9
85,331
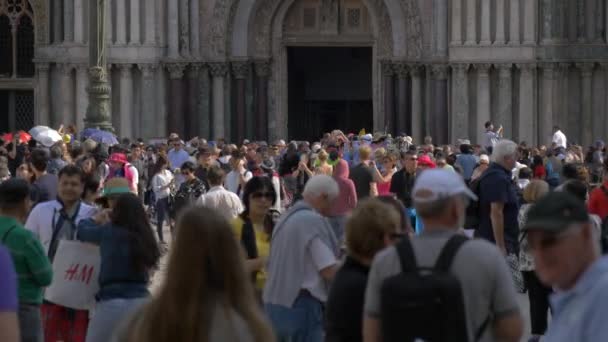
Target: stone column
525,121
561,95
148,119
68,21
545,122
560,21
486,17
135,37
240,71
456,22
109,21
590,19
500,22
82,101
218,73
483,99
175,119
600,12
417,134
505,99
402,117
471,22
79,16
547,12
192,122
389,95
173,28
195,44
514,22
587,105
440,115
580,21
184,28
150,23
262,71
205,103
66,116
530,7
442,27
126,100
58,23
460,102
604,66
42,95
121,22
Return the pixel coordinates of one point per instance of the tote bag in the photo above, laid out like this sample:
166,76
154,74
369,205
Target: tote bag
75,275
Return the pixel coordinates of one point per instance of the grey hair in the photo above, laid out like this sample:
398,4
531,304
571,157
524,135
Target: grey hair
503,149
321,185
430,209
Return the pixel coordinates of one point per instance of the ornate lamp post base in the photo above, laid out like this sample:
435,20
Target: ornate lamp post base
98,111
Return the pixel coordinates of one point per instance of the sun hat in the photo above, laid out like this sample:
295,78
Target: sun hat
484,158
435,184
118,158
425,160
113,187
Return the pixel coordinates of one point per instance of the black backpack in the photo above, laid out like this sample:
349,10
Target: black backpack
472,212
429,301
604,234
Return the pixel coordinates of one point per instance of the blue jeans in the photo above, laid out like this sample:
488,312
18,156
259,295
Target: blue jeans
303,322
30,323
162,213
108,315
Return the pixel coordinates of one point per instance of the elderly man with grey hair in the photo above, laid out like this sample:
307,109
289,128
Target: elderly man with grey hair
488,310
303,259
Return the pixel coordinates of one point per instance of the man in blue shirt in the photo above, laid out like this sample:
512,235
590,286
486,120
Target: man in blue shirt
566,251
177,155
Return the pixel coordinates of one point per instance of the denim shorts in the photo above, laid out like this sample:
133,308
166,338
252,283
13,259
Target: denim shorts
303,322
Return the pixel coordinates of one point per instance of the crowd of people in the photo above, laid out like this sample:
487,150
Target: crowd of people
356,237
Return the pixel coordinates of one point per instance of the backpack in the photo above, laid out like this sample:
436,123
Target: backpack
472,212
604,233
430,300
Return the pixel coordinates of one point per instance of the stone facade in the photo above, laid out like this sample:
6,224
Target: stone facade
218,68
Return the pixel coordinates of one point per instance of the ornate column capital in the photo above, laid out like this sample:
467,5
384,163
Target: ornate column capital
176,70
483,68
563,67
240,69
125,70
81,67
440,71
147,69
218,69
43,67
415,69
65,69
504,69
402,69
262,68
586,69
387,68
195,69
527,68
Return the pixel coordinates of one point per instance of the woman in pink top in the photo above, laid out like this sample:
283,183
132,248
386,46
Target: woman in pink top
346,201
389,162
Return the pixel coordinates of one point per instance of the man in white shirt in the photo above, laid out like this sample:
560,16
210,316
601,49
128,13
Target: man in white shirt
239,176
490,137
218,198
559,138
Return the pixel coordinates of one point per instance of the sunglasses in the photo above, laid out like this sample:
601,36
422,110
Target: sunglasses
396,236
268,195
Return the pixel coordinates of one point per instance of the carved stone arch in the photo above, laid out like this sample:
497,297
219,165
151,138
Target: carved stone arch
41,21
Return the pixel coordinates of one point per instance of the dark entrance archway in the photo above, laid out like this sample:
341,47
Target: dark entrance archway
329,88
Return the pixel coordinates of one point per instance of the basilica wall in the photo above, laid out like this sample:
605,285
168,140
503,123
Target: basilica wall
218,68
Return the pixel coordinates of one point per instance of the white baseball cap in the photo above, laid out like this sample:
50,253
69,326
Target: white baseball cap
434,184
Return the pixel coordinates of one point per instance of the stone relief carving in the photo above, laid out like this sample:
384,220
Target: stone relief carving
218,69
41,14
413,28
218,29
240,70
329,16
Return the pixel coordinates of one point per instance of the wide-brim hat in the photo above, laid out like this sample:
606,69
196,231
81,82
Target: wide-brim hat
113,187
118,158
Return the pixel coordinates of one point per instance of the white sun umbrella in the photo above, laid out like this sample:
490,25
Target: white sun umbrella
45,135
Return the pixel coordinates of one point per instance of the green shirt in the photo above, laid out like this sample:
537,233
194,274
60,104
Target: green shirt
31,263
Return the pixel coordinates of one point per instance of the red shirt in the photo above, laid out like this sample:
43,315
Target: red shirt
598,202
540,172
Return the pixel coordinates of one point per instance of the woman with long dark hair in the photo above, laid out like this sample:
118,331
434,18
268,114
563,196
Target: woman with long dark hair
206,295
253,228
129,253
162,181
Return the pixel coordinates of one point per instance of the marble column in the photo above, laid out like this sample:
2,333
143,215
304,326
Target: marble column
109,22
79,16
599,21
120,22
175,119
415,72
262,71
500,22
126,100
548,21
42,95
134,16
545,122
560,21
192,123
66,114
388,74
82,101
530,7
205,103
587,106
525,120
486,17
195,28
590,19
150,22
471,22
440,116
514,22
184,28
604,66
483,99
456,22
148,119
580,21
563,94
173,28
460,102
218,73
505,99
68,21
401,116
58,22
442,27
240,71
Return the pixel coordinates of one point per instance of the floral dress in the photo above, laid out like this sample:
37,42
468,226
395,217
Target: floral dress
526,262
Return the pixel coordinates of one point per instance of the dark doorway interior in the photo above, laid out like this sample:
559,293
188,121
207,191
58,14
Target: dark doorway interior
329,88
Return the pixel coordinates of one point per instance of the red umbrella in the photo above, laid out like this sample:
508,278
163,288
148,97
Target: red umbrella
24,137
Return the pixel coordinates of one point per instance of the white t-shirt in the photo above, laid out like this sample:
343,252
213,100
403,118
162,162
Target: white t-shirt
320,257
231,183
559,139
160,180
